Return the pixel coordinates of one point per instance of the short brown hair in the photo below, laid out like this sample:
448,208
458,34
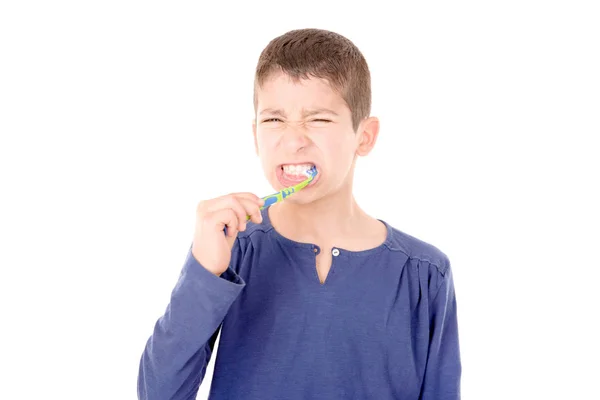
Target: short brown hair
303,53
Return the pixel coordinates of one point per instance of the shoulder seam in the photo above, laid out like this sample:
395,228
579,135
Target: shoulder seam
439,265
441,271
255,228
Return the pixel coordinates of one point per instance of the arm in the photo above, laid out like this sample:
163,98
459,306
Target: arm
443,370
175,358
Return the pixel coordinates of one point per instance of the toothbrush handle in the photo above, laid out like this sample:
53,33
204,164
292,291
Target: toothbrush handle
279,196
269,200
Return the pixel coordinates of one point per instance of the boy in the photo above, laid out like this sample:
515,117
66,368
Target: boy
315,299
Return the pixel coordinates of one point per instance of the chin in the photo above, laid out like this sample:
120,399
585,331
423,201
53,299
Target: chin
304,196
300,200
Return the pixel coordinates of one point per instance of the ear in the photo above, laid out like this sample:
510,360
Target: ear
368,131
254,134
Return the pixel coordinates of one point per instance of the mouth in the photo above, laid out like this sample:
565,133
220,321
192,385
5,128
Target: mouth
292,174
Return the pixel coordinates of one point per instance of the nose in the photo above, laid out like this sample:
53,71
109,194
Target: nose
295,137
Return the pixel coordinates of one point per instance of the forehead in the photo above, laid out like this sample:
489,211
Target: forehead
281,91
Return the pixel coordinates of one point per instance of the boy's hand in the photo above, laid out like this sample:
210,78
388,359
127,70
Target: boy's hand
211,247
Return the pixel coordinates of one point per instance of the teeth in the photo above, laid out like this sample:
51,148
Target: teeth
299,169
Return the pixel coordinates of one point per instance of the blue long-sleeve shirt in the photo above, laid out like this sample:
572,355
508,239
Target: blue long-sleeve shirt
382,326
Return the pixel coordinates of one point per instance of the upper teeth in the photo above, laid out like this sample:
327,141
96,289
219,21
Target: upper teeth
297,169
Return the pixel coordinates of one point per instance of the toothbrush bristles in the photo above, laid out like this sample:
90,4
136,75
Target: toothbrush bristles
312,172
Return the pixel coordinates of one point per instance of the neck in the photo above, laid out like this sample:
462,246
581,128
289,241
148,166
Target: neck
333,216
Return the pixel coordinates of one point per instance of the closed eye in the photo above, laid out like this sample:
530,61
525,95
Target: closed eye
312,120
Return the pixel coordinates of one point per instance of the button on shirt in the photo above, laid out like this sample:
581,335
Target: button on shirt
382,326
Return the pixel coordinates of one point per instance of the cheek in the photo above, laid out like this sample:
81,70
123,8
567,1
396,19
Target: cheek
266,150
340,151
261,146
265,140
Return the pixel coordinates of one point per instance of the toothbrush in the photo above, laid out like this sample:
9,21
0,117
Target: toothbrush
285,193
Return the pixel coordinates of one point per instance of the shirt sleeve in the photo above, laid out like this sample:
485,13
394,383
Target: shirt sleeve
174,360
443,368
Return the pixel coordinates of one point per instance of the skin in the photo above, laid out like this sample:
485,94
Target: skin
291,126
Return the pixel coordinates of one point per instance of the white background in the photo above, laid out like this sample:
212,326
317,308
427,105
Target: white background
118,117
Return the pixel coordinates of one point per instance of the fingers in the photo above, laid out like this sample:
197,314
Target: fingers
241,204
245,195
222,218
253,211
238,205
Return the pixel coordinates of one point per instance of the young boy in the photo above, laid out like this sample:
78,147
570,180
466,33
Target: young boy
314,298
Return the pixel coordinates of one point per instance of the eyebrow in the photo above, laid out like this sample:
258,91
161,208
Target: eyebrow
305,112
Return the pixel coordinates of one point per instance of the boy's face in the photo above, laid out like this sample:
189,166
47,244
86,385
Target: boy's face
299,124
